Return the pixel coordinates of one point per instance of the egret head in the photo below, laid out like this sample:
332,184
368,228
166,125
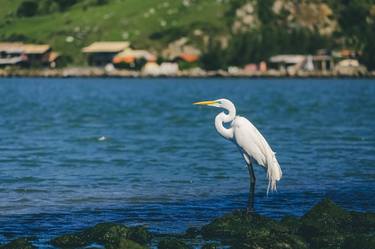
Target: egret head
220,103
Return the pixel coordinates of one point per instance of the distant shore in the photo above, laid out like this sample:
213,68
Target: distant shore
101,72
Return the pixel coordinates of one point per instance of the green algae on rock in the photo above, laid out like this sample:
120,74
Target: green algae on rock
329,226
237,224
109,234
241,230
125,244
20,243
191,233
173,243
325,226
211,246
140,235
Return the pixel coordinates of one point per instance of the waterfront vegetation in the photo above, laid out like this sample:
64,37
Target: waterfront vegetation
227,32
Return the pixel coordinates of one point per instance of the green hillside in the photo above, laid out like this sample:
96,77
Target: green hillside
134,20
228,32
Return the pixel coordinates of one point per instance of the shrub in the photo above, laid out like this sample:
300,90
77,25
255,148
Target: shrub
27,8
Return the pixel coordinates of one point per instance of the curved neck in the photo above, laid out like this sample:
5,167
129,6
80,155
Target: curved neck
225,118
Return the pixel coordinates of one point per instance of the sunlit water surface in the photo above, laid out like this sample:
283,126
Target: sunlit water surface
76,152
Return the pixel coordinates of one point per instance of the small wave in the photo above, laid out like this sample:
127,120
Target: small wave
25,179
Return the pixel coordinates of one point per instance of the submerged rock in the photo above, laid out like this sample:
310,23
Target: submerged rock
173,243
109,234
20,243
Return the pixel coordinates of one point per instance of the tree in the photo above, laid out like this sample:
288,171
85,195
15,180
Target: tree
27,8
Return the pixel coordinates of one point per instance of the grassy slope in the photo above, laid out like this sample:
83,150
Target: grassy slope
113,21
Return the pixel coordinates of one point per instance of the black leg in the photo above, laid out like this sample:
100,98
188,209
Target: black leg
250,203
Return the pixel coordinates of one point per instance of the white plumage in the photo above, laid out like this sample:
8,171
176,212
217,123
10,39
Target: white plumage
255,148
250,142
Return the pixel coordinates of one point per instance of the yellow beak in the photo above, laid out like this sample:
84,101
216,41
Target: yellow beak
205,103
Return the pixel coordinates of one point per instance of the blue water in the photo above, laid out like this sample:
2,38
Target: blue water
76,152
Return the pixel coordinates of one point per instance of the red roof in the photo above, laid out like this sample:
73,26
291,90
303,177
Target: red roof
189,57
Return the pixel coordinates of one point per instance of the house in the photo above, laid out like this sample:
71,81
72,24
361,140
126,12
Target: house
37,54
181,52
323,62
287,63
350,67
294,63
165,69
133,59
12,54
190,58
102,53
26,54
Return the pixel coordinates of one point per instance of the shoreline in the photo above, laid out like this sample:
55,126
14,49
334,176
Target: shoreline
77,72
325,226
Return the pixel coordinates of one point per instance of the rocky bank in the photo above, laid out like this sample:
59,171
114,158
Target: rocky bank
325,226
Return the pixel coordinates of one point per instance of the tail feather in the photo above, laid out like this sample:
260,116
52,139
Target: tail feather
274,172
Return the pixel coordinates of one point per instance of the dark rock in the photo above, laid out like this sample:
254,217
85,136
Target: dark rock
238,224
329,241
172,243
359,241
363,222
244,231
210,246
125,244
323,219
109,234
69,240
328,226
191,233
291,222
20,243
106,233
139,235
269,240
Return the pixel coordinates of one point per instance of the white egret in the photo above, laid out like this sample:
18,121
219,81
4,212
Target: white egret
250,142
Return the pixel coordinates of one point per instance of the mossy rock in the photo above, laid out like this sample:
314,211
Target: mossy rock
20,243
191,233
323,219
125,244
140,235
238,224
329,241
292,223
173,243
210,246
359,241
69,241
269,240
108,234
363,222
